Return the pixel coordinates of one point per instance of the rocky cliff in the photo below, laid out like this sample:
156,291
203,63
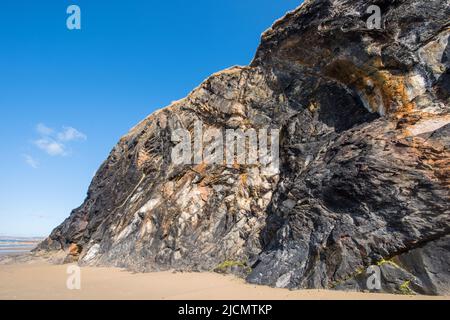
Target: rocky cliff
364,162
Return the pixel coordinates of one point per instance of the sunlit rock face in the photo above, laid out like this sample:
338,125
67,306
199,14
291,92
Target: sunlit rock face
364,128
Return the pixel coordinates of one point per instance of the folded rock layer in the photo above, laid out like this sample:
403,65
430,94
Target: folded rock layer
364,181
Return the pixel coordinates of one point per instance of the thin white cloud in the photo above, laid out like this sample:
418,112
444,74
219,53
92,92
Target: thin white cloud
42,129
39,216
51,147
31,161
53,142
71,134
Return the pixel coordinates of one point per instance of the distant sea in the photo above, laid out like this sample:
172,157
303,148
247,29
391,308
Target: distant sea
13,246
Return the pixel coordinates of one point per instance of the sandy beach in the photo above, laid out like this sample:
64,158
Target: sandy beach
41,280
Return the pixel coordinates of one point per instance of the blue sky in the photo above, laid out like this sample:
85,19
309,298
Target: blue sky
66,97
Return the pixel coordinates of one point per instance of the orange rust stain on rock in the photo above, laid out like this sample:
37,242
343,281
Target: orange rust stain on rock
204,193
432,158
394,93
168,189
416,118
435,157
374,85
74,250
143,158
244,178
201,168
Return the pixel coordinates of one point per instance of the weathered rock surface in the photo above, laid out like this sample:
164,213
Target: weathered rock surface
364,175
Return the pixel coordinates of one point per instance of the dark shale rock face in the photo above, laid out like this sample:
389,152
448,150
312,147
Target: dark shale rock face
364,174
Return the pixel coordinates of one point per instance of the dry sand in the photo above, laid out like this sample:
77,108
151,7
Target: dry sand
40,280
